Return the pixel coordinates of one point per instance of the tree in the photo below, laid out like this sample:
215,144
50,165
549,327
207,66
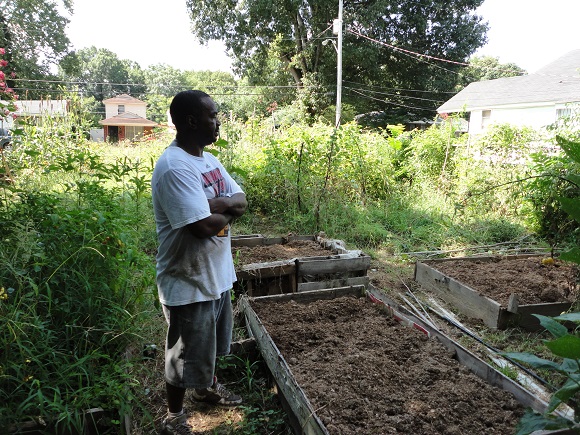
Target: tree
101,74
32,33
293,32
487,68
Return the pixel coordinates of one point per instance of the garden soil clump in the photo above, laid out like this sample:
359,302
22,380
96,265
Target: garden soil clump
533,280
365,373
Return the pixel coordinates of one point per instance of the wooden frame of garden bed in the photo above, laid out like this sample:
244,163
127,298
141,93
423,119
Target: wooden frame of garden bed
340,268
303,418
473,304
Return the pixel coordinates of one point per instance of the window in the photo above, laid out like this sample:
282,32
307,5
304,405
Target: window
485,118
121,109
563,113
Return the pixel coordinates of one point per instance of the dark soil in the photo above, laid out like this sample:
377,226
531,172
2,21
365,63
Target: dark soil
265,254
366,374
534,279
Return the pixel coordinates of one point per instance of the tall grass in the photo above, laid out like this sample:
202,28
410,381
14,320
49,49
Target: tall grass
76,280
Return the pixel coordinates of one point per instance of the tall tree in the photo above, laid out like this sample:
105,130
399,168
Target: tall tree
380,39
487,68
32,33
101,74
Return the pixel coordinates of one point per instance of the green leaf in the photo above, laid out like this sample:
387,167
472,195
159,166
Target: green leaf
532,421
571,148
554,327
569,317
568,390
573,178
570,366
572,255
571,206
533,360
221,143
567,346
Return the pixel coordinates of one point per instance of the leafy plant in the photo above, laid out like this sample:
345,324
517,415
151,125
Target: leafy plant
566,346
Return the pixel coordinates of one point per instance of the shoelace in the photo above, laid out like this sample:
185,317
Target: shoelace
222,391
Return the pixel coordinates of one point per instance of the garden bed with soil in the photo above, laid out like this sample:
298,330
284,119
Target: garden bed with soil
502,291
268,266
364,372
536,279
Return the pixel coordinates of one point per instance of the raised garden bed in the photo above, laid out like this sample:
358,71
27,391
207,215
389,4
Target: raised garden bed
502,291
345,367
269,266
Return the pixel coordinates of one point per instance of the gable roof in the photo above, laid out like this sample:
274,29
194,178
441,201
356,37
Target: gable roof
128,118
123,99
557,82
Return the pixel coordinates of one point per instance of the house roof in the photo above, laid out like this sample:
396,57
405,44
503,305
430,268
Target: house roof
556,83
128,118
124,99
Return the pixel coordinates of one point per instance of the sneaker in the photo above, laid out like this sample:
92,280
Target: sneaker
177,425
217,394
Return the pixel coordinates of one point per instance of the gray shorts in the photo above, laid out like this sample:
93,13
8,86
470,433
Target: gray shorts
197,334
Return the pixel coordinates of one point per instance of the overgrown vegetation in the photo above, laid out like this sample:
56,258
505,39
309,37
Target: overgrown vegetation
78,300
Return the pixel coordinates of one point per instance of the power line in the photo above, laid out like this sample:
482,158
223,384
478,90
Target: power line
390,102
422,56
401,89
398,95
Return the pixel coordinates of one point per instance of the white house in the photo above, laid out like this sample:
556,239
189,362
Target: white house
125,118
36,109
534,100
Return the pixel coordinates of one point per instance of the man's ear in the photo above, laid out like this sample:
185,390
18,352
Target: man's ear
191,121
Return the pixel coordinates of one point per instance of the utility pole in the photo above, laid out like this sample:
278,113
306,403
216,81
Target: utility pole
337,30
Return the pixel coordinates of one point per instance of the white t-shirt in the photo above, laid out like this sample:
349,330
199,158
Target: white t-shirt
190,269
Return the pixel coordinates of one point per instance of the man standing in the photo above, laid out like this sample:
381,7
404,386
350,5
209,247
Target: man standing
194,200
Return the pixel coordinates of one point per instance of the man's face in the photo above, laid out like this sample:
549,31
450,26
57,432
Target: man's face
208,125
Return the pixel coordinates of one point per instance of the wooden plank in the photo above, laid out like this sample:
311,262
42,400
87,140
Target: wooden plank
266,270
513,303
465,299
274,241
250,240
307,266
524,317
339,282
301,238
301,408
314,295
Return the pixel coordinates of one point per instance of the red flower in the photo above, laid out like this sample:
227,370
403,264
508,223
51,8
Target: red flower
3,62
2,51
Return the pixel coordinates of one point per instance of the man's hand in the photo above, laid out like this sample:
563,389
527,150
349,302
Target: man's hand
235,205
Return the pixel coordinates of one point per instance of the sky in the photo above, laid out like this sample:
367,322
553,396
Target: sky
529,33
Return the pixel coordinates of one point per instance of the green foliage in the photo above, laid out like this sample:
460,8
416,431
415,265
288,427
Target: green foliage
104,73
556,185
74,280
487,68
489,170
566,346
428,156
33,34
